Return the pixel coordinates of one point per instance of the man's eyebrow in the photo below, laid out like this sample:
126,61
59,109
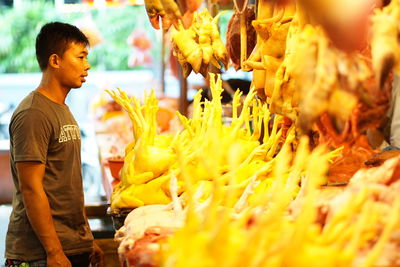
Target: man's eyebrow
84,52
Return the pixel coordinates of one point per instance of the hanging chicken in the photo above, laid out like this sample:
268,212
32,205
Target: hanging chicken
171,12
385,42
234,39
200,45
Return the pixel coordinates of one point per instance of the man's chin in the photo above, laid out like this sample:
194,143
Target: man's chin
77,86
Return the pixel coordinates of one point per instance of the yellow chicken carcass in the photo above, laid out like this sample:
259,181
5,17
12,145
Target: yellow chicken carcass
271,65
276,32
208,35
121,199
269,20
149,158
186,47
200,45
169,12
152,151
284,96
186,66
155,158
384,42
219,49
172,10
155,11
317,91
270,77
136,195
188,8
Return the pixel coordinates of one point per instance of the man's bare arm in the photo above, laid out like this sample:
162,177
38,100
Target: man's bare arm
37,207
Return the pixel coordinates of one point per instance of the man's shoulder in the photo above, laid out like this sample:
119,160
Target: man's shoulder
28,105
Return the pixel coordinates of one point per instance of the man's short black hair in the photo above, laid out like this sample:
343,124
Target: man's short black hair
54,38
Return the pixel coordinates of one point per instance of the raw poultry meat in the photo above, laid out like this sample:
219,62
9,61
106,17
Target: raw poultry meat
276,32
385,40
200,46
156,12
311,75
309,78
360,230
143,227
171,12
233,35
367,114
380,186
188,8
145,250
326,78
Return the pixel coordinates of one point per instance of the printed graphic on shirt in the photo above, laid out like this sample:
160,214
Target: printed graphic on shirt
69,132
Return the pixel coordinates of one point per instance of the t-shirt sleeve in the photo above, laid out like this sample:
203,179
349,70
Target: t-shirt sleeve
30,131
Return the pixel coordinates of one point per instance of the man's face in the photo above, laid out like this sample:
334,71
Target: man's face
74,66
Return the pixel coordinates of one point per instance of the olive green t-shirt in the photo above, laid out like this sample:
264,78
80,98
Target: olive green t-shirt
44,131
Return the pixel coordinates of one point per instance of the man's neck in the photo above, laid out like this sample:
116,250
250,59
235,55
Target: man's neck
53,90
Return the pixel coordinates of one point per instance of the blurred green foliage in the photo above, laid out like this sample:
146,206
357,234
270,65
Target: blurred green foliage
19,27
18,31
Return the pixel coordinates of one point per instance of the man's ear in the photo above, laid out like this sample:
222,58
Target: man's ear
54,61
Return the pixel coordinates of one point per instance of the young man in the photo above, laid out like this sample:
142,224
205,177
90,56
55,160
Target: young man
48,226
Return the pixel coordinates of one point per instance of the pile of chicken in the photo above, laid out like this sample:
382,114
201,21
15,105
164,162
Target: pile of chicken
358,227
246,150
273,226
207,155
